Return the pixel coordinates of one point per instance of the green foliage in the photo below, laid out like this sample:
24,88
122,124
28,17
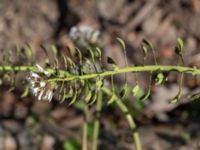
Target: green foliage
71,144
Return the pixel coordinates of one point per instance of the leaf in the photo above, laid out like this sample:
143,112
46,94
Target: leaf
71,63
54,50
91,54
160,79
180,44
194,97
122,43
80,56
94,97
112,99
79,105
1,82
71,144
146,96
73,99
88,94
144,50
29,50
179,49
148,43
11,89
67,95
64,59
99,52
124,91
136,90
62,96
99,84
26,91
176,98
44,49
18,50
110,61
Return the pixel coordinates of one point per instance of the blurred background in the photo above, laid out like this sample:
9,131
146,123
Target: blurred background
28,124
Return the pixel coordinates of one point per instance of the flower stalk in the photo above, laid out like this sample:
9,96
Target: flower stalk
69,77
128,117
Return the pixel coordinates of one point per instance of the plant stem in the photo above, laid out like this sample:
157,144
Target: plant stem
68,77
150,68
129,118
85,126
97,122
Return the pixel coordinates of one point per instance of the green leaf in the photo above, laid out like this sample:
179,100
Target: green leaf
160,79
18,50
88,95
91,54
146,96
44,49
71,144
65,60
179,49
71,63
73,99
11,89
80,56
79,105
54,50
148,43
99,52
99,84
124,91
112,99
29,50
67,94
1,82
194,97
136,90
176,98
145,50
122,43
180,44
26,91
110,61
94,97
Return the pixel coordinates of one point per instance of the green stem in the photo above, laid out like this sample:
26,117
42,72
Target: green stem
68,77
150,68
129,118
85,126
97,122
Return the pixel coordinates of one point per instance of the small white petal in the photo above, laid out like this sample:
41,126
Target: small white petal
40,95
50,96
35,91
34,75
42,84
40,69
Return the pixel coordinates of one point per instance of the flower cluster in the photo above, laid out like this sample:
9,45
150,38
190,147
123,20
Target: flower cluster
83,35
38,85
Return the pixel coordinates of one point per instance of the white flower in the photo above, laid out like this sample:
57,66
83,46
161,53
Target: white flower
39,86
84,35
